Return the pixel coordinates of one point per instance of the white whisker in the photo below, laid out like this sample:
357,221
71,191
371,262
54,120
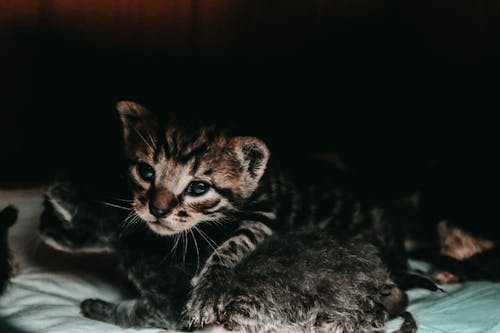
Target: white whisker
204,236
153,142
143,139
185,238
131,222
120,199
177,239
115,206
197,252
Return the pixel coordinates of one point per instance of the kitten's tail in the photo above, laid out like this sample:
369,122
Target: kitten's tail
409,324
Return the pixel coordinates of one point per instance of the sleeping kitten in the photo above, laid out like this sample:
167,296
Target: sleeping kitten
203,201
8,217
309,281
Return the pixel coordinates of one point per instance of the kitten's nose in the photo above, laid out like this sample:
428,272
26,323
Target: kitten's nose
158,212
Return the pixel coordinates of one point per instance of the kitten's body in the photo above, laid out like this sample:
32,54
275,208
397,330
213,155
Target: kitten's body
243,201
310,281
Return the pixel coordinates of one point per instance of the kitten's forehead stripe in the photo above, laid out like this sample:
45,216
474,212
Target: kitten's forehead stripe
186,144
193,152
161,148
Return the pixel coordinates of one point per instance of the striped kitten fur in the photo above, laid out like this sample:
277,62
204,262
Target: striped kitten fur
312,281
214,198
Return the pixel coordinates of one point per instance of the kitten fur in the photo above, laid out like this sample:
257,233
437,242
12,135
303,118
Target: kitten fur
159,267
8,217
309,281
183,246
462,256
293,282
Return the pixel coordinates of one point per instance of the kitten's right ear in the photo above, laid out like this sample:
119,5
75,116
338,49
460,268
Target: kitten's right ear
139,125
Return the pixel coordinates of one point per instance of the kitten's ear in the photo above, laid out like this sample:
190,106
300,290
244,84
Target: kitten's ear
253,156
139,125
131,113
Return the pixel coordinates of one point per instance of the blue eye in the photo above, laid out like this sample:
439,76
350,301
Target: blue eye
197,188
146,172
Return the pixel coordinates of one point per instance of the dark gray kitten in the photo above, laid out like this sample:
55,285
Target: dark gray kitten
312,282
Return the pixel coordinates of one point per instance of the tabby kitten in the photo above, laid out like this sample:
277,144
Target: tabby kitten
461,256
8,217
310,281
196,183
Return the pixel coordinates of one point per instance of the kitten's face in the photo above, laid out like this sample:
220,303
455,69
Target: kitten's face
65,227
182,177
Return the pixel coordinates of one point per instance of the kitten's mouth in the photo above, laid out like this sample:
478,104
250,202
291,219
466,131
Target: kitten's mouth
160,228
159,224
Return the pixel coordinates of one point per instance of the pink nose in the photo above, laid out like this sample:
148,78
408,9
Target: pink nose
158,212
161,203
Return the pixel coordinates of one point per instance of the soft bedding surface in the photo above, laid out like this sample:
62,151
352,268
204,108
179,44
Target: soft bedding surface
45,296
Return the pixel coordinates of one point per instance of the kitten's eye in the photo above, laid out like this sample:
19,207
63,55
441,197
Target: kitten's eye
197,188
146,172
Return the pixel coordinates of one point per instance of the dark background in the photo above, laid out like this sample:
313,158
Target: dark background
403,91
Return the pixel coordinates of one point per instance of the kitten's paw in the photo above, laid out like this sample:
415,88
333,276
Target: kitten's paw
200,310
204,307
241,314
96,309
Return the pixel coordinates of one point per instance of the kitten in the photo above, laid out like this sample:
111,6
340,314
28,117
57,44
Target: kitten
197,183
461,256
8,217
73,222
309,281
184,177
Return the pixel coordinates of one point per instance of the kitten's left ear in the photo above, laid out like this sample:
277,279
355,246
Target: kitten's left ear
253,156
132,113
138,123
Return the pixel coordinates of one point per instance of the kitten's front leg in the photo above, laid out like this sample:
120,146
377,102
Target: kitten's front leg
207,298
132,313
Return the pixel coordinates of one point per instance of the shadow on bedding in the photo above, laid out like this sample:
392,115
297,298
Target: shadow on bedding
7,328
